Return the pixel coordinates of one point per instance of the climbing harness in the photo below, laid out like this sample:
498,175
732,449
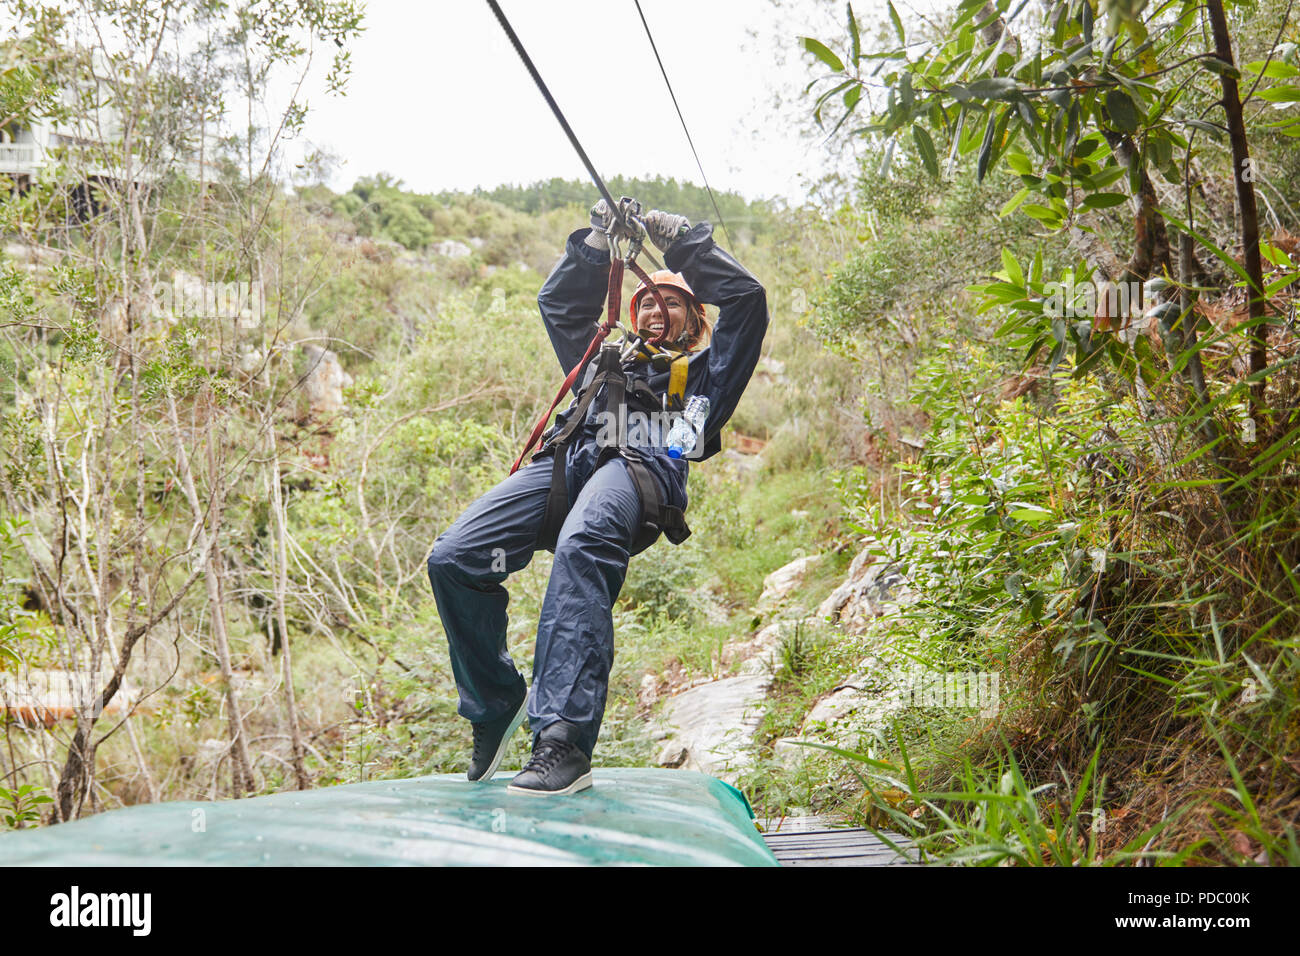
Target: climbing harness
614,296
620,394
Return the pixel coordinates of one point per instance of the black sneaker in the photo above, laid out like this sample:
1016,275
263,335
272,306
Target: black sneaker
557,766
490,740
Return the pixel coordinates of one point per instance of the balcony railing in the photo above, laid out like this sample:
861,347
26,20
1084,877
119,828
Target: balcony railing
17,157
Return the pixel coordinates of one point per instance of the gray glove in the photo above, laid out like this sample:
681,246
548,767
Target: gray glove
665,228
602,218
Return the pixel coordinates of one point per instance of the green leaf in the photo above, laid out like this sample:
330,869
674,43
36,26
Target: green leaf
925,146
898,24
1274,255
1279,94
1222,256
986,151
1275,287
1013,268
1104,200
1218,132
1108,176
1122,111
853,34
887,159
1032,515
1014,203
1019,163
1274,69
994,88
1048,217
1215,65
823,53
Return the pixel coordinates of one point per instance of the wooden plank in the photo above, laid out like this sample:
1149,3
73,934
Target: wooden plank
843,846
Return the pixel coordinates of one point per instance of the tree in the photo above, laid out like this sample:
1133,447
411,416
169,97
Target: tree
136,386
1096,106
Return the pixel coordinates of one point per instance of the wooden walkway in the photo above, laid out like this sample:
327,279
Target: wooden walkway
810,841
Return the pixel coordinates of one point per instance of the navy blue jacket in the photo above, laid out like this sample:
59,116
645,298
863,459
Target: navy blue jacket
571,302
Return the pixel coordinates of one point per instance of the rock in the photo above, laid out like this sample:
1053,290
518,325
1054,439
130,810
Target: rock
874,586
32,255
451,249
714,724
211,749
673,755
744,464
757,654
477,242
766,648
784,581
250,359
789,752
648,692
325,381
865,702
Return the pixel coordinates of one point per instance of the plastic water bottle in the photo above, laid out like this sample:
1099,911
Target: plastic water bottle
687,430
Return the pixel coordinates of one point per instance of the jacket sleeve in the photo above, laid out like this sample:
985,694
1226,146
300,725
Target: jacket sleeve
737,342
572,298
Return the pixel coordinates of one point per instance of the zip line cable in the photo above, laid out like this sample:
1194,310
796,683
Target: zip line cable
568,130
650,37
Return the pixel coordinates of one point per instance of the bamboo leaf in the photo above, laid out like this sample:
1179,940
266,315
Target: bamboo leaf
986,151
1273,69
853,34
823,53
925,146
1013,268
898,23
1280,94
1215,65
1104,200
1014,203
1276,287
1222,256
994,88
1122,111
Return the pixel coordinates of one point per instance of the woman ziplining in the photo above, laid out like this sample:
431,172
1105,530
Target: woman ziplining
602,488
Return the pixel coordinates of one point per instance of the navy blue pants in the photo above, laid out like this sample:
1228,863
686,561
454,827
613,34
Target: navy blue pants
496,536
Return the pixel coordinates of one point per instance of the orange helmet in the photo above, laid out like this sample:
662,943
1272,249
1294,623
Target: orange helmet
661,278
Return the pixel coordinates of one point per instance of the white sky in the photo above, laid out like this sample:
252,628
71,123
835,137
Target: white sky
438,98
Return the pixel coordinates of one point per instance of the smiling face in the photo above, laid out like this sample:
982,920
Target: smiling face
650,319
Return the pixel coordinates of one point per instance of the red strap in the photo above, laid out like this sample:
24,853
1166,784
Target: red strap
612,305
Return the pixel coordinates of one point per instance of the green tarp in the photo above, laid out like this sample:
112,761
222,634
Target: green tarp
628,817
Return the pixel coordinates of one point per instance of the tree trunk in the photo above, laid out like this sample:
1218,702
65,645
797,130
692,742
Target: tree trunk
281,587
1245,202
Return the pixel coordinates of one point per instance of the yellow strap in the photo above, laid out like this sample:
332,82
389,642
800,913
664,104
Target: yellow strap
677,380
678,366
